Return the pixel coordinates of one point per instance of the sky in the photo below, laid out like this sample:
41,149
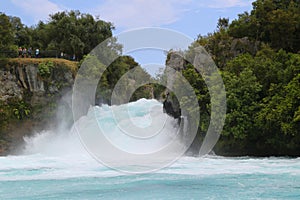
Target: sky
190,17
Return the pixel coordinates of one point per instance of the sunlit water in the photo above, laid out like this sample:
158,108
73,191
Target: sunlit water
55,166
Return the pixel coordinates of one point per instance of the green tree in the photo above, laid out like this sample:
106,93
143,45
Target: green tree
274,22
6,33
113,74
243,91
22,36
75,33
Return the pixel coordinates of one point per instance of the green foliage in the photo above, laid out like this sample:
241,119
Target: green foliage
73,32
200,88
3,62
258,55
263,103
242,102
45,68
273,22
20,109
20,114
6,34
219,47
145,91
13,110
203,97
280,112
112,75
21,33
223,24
4,117
158,91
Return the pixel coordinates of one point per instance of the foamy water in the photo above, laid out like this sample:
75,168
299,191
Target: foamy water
81,177
54,165
38,166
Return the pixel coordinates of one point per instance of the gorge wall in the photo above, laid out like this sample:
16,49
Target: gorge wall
29,93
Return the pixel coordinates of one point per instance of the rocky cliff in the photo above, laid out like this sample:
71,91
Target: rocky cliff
174,63
29,91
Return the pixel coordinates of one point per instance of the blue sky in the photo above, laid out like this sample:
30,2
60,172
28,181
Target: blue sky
190,17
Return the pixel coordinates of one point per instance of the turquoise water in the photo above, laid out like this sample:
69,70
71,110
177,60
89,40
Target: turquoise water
39,177
54,165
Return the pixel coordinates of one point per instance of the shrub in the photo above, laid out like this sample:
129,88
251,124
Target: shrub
45,69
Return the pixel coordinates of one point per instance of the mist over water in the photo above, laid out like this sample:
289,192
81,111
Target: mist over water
153,130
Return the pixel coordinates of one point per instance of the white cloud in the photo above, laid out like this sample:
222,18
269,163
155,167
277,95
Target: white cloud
129,13
227,3
135,13
37,9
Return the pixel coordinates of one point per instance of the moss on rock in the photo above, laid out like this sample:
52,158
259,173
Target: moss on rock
30,89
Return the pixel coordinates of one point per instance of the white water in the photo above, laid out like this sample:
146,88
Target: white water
154,130
138,127
54,165
41,167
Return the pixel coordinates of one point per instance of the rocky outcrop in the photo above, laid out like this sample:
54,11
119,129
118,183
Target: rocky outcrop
171,106
9,87
243,45
18,77
174,63
28,98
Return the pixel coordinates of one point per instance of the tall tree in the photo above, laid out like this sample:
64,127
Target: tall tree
6,33
76,33
22,36
276,22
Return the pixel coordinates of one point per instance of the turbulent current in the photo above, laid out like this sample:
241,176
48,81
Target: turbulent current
55,165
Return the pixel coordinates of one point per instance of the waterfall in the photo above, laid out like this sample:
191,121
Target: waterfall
156,130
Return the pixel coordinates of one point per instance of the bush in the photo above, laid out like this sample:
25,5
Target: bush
45,69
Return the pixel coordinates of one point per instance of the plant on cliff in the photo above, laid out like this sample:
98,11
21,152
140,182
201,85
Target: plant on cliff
21,110
4,117
44,69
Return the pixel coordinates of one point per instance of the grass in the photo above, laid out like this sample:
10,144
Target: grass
72,65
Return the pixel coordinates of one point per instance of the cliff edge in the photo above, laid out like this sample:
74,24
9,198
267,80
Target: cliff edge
30,89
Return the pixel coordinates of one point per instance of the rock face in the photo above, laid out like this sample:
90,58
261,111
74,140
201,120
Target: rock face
243,45
28,99
175,63
15,79
9,87
171,106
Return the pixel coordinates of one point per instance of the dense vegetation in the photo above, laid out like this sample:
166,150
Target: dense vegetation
258,55
71,33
